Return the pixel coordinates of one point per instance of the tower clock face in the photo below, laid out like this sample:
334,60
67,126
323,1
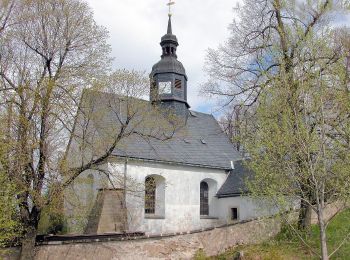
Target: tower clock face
165,87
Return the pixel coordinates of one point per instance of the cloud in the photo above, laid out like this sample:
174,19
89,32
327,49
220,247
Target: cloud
136,28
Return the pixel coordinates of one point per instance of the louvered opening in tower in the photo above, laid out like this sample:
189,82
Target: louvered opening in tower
177,83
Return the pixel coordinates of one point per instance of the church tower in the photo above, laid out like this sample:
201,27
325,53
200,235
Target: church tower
168,77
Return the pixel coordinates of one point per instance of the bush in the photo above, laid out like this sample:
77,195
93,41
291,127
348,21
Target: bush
52,223
200,255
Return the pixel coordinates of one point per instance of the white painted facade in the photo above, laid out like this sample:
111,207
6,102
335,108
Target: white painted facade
178,210
177,196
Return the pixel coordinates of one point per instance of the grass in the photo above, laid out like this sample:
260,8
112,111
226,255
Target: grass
337,230
286,246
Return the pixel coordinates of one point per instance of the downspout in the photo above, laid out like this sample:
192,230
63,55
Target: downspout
125,217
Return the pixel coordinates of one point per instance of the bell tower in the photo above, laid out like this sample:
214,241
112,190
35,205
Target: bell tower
168,76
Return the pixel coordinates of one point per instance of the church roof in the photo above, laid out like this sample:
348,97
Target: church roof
235,184
200,142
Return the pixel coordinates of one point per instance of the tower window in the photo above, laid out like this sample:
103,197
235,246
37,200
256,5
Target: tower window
178,83
167,50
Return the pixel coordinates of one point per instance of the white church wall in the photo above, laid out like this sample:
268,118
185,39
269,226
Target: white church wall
181,200
177,206
247,207
160,196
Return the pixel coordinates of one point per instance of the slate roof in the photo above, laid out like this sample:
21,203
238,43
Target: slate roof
201,142
235,184
168,64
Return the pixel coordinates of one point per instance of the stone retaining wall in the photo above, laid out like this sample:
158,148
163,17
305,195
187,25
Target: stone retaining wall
330,211
185,246
213,242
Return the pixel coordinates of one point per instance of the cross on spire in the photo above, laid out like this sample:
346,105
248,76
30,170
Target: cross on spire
170,4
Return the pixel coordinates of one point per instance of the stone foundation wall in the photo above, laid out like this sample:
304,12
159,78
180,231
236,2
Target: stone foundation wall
213,242
330,211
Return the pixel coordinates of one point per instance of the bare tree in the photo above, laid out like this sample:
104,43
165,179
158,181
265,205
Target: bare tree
109,120
233,122
50,53
6,8
286,157
271,38
268,36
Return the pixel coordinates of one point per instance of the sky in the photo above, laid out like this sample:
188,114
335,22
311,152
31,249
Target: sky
135,29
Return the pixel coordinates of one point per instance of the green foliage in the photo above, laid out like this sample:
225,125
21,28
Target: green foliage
293,73
52,219
10,227
265,251
337,231
52,223
286,233
38,111
200,255
287,246
300,146
300,139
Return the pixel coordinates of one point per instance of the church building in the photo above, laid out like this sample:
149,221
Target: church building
166,173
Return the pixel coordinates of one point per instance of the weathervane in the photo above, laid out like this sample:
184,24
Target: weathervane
170,4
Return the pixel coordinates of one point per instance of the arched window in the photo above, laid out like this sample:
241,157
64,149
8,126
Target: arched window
204,202
155,196
150,195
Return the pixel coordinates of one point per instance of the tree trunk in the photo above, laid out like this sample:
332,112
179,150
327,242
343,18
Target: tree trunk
28,244
323,239
304,222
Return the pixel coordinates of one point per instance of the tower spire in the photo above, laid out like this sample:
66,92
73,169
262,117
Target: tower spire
168,76
169,31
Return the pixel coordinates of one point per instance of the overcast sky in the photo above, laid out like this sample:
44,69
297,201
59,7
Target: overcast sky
136,27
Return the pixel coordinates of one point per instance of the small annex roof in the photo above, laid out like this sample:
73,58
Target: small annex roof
200,142
235,184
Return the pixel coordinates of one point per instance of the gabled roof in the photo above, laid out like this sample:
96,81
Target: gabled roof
200,142
235,184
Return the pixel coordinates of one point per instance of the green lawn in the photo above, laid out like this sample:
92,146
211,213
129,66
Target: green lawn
285,246
336,232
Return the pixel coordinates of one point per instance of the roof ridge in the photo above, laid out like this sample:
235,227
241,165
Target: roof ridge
92,91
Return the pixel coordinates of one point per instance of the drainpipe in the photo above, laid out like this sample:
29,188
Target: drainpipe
125,217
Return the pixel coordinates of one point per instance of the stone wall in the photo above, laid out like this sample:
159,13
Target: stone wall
330,211
213,242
